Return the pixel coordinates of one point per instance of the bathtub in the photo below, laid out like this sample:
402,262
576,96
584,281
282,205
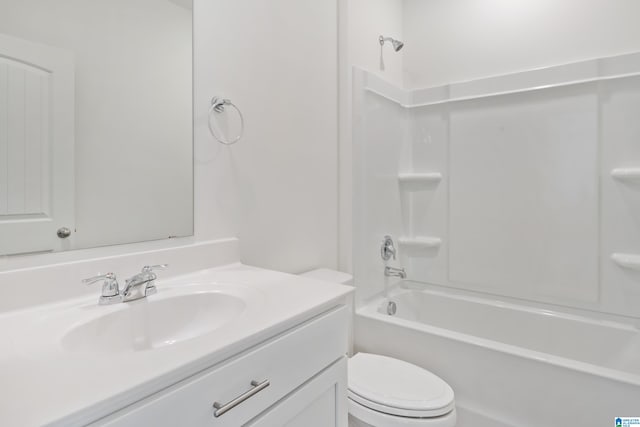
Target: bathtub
510,365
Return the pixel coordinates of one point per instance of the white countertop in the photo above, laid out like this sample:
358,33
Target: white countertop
44,384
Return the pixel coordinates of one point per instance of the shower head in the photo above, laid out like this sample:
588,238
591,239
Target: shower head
397,44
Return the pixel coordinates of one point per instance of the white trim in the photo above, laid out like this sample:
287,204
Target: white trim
583,72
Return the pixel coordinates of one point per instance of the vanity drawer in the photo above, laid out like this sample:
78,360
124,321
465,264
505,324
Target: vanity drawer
284,363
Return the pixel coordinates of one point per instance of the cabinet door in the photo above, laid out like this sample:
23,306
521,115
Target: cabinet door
321,402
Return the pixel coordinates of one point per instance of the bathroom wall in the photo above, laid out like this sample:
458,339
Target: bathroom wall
536,198
368,20
540,227
381,147
361,23
451,41
277,188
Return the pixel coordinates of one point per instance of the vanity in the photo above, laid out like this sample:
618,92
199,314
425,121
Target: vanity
227,346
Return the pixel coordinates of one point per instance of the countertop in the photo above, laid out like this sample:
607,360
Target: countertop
43,383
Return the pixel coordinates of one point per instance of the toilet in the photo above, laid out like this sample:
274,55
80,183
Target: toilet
388,392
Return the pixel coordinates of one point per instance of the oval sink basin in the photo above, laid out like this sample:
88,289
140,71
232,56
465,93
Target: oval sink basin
153,323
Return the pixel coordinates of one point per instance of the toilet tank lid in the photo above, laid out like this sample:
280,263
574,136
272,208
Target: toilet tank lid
329,275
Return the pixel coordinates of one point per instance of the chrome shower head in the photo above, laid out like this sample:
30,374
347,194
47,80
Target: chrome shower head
397,44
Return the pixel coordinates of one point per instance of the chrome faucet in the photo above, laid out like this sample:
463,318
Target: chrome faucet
395,272
139,286
142,284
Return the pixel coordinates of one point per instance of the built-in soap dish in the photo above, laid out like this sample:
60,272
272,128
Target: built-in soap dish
629,261
418,181
626,174
420,243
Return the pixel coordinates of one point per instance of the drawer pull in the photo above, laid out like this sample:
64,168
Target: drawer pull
222,408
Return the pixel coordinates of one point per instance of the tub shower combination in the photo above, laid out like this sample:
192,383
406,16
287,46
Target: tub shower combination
514,203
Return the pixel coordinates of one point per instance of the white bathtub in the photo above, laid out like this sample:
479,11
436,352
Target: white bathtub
510,365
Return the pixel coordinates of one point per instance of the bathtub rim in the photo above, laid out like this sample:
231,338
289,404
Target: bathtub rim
558,308
630,324
370,311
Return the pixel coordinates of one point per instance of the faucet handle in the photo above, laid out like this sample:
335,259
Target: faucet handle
110,288
387,249
148,270
105,277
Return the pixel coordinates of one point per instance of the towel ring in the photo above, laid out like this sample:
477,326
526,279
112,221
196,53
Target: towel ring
218,106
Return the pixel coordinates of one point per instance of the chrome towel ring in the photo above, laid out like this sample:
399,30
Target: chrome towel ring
218,106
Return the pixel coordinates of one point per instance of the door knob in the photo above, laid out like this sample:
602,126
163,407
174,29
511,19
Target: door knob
63,232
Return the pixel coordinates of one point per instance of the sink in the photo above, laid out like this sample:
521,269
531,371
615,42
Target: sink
152,323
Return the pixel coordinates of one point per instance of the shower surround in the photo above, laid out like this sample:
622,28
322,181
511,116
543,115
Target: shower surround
521,189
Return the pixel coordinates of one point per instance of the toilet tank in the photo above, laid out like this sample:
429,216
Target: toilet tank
329,275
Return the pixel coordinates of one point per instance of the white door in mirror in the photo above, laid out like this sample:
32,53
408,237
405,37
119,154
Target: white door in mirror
36,150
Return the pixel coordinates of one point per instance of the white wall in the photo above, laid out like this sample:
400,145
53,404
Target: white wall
465,40
362,22
277,188
380,148
458,40
368,19
527,206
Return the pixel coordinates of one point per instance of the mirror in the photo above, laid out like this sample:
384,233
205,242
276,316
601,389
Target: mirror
96,127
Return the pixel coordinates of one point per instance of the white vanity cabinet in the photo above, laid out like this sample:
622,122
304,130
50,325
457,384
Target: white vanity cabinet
295,379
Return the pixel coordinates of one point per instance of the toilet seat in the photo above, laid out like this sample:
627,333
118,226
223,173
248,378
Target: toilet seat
398,388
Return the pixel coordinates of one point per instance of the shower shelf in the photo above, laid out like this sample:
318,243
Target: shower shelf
630,261
417,243
420,178
626,174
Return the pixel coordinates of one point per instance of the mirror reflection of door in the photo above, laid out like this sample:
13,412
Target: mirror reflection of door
36,146
96,123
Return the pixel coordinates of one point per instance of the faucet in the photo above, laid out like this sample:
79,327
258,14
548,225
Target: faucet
142,284
395,272
139,286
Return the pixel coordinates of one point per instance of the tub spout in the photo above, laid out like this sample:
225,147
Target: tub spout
395,272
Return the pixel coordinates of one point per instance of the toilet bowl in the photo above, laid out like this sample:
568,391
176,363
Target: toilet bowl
387,392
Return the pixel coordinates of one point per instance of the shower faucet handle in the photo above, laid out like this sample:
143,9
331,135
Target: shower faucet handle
387,249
